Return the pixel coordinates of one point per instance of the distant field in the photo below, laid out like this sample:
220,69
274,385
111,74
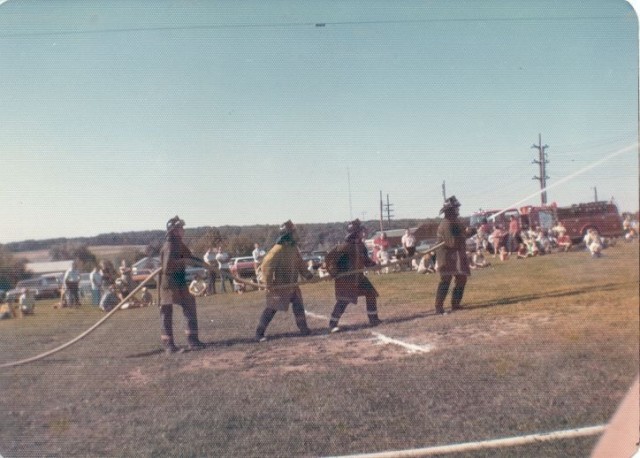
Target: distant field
544,344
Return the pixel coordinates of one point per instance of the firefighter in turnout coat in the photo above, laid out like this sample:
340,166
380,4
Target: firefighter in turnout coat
451,258
351,256
281,266
174,289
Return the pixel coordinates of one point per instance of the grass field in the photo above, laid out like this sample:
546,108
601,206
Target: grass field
544,344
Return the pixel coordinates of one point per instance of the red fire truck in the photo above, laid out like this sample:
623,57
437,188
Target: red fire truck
577,218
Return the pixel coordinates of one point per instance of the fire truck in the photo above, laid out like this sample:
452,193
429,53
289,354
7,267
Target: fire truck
577,219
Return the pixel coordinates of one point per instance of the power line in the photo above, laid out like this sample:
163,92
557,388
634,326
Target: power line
308,24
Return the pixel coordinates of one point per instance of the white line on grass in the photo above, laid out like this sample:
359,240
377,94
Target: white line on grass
412,348
316,316
494,443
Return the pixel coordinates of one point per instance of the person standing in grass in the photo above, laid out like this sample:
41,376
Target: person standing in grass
281,267
352,256
451,257
174,289
95,278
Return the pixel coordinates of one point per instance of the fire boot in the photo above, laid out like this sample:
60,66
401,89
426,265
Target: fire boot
441,294
194,343
169,345
372,311
456,298
265,319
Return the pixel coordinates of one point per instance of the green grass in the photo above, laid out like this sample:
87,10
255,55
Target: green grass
544,344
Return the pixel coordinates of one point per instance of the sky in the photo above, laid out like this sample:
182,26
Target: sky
118,115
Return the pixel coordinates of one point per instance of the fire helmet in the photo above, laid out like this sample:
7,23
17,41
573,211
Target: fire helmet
174,223
450,204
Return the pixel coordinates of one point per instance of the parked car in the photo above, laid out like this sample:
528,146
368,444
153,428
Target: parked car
45,286
243,266
143,268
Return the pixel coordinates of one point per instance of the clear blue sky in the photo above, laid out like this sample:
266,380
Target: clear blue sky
117,115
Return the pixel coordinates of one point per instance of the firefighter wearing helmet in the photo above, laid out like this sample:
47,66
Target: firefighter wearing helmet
174,289
451,257
280,269
352,255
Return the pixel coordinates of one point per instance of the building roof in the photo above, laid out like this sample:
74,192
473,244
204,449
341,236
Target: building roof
48,267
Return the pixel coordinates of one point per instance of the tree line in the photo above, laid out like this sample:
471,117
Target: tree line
235,240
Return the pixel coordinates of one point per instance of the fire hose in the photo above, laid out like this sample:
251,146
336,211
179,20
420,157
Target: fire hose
330,277
156,272
88,331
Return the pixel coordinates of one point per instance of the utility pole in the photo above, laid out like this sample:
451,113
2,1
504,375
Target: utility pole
444,192
542,162
381,215
349,185
389,211
595,193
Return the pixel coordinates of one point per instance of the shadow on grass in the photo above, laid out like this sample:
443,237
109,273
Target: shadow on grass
552,294
393,320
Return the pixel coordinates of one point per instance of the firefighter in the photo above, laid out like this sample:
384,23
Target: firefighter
349,256
174,289
281,266
451,257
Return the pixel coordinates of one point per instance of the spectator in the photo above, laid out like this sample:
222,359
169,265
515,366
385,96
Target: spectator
214,270
147,298
258,255
496,239
383,261
239,287
223,269
27,302
593,243
543,242
426,264
71,281
409,243
322,271
310,267
562,239
380,244
482,235
513,234
504,254
95,278
126,278
109,299
108,272
630,228
523,248
479,260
